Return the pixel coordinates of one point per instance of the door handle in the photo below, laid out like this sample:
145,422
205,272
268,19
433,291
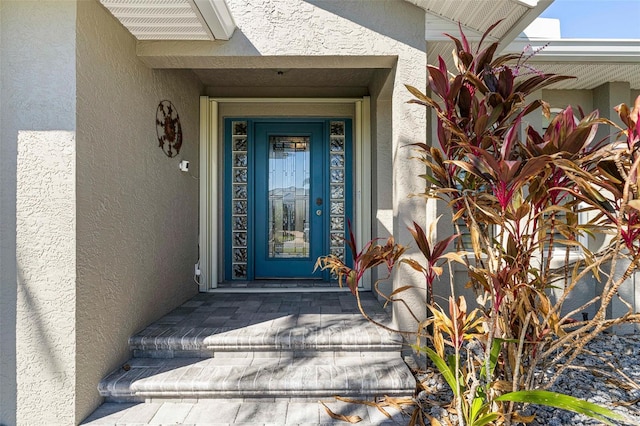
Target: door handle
318,201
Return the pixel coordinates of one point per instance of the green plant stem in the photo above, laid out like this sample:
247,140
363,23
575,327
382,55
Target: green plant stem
384,327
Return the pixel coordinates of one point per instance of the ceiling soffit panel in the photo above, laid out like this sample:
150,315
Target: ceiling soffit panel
173,19
590,75
475,16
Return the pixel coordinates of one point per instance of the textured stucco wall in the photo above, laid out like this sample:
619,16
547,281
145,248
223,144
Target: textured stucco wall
38,207
137,230
46,276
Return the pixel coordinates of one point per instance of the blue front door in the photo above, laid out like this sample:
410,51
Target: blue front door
288,192
289,199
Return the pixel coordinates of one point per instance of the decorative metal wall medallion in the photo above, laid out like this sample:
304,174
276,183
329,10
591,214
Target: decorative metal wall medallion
168,128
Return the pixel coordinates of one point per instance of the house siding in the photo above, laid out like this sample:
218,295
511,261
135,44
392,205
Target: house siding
37,210
137,232
99,230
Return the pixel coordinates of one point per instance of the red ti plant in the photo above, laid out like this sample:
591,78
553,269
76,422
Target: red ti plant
370,256
518,196
434,253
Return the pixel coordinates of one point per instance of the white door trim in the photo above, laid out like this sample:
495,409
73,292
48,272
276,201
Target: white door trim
210,191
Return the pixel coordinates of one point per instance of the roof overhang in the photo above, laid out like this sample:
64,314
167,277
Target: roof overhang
474,17
592,62
174,19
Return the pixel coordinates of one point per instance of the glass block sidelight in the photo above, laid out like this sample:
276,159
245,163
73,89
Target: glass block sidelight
337,209
239,203
337,192
337,189
239,271
240,207
240,144
337,223
337,160
240,223
239,159
240,255
337,239
337,175
239,192
240,239
240,175
338,252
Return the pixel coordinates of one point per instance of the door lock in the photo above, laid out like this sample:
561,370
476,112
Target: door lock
319,212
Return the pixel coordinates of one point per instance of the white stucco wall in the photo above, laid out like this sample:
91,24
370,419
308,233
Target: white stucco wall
38,210
137,231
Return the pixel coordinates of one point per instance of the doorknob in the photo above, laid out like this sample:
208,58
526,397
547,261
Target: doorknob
319,212
318,201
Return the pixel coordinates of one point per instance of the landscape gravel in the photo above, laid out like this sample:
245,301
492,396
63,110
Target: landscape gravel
607,373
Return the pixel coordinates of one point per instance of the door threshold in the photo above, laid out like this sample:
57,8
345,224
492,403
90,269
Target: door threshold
279,286
278,290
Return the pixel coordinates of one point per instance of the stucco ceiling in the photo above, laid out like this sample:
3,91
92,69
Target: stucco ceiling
344,82
285,77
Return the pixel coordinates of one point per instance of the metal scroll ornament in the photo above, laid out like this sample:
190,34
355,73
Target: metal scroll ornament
168,128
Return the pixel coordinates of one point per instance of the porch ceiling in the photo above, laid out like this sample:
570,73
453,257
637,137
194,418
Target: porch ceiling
314,77
332,82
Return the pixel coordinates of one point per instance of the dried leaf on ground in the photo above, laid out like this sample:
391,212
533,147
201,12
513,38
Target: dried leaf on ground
348,419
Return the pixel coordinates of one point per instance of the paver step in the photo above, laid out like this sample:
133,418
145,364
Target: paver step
299,333
198,378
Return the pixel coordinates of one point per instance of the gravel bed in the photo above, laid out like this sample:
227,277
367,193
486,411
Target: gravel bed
609,376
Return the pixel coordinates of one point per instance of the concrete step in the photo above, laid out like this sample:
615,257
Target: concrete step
298,333
225,412
149,379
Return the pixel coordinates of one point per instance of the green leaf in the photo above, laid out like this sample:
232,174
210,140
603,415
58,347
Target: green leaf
444,369
562,401
486,419
493,357
476,406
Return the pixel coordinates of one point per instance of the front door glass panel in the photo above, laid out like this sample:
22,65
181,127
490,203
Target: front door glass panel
288,206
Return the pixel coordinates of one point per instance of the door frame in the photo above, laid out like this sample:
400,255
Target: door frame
211,190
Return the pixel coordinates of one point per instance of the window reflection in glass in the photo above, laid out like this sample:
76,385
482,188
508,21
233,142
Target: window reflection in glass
288,208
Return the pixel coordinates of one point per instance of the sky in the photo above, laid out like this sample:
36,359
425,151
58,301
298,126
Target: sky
596,18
